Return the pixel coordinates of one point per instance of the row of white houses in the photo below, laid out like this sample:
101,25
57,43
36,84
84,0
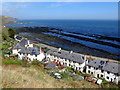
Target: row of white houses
77,62
100,69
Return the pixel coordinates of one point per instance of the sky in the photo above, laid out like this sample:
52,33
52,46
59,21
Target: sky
61,10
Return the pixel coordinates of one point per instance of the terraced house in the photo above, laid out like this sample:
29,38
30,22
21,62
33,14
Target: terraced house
98,68
104,69
66,58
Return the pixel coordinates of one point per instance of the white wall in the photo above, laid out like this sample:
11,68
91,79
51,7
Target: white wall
66,62
15,51
111,76
39,57
104,73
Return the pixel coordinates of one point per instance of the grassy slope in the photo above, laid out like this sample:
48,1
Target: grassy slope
7,20
34,77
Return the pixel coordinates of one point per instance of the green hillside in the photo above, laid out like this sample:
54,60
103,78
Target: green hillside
7,20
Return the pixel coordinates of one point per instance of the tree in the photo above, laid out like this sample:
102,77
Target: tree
11,32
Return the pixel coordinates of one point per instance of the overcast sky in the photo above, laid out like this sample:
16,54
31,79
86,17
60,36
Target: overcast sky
61,10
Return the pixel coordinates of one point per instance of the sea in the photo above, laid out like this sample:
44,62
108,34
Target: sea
105,31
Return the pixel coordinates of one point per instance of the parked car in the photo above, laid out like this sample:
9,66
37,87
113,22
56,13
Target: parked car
57,75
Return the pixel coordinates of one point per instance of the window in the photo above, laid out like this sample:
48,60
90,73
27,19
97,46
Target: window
108,72
69,64
82,57
88,71
91,72
73,61
107,77
36,55
116,74
98,75
102,71
101,75
89,66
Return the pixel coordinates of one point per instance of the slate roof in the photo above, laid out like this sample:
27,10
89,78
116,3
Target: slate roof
66,55
111,67
30,50
17,46
21,44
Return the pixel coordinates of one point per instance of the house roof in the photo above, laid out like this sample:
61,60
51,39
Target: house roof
66,55
30,50
107,66
17,46
21,44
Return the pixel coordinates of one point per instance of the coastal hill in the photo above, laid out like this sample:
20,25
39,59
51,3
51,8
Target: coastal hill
7,20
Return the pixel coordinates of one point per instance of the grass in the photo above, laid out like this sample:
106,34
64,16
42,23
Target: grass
16,62
15,76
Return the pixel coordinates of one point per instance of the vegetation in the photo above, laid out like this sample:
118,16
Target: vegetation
11,32
7,20
15,62
35,62
8,33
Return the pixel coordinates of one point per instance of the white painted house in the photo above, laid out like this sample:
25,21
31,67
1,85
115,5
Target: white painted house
66,58
104,69
22,44
25,49
31,54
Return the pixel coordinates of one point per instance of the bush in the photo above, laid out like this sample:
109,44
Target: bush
35,62
65,75
70,69
16,62
11,32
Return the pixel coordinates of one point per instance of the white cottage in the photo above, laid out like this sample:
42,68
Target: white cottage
66,58
22,44
104,69
25,49
31,54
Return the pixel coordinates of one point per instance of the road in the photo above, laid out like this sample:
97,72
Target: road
51,47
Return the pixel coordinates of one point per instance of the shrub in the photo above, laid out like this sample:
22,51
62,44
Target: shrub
11,32
35,62
65,75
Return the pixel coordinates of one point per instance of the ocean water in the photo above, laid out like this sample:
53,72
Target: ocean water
105,31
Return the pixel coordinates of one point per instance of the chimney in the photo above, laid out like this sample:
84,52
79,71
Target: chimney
71,51
107,61
40,49
59,49
85,57
28,42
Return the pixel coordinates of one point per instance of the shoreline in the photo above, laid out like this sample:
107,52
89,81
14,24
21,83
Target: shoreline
37,34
